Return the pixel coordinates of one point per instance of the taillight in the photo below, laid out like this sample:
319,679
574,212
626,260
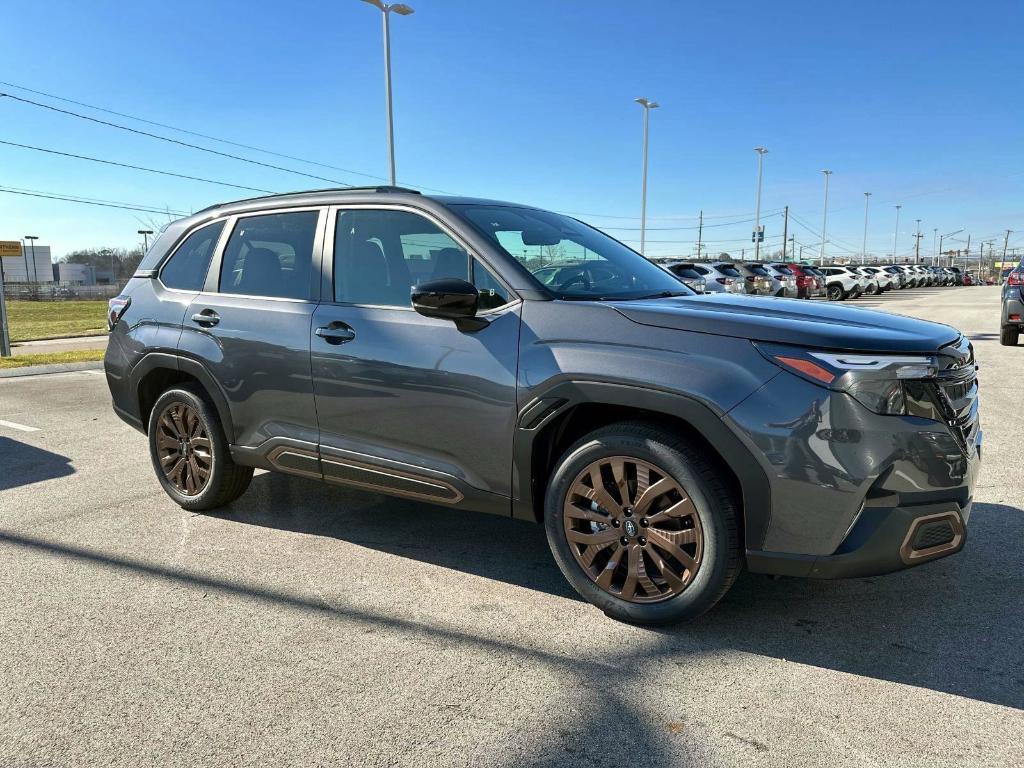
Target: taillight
724,280
1015,278
115,308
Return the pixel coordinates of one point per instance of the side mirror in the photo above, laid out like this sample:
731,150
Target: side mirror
449,299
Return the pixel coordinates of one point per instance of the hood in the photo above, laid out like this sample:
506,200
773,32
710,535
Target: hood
791,321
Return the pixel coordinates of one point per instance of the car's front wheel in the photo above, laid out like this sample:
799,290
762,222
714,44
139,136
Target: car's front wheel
190,453
642,524
1009,335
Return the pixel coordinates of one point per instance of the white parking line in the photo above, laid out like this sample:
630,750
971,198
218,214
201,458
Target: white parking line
19,427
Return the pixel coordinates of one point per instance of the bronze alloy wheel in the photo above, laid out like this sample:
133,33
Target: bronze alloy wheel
183,447
633,529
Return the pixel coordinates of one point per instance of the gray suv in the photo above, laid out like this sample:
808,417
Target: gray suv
405,344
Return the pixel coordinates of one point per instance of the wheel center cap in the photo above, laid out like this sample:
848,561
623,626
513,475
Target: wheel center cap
630,528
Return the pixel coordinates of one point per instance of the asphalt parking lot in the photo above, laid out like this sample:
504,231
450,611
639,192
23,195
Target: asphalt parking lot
315,626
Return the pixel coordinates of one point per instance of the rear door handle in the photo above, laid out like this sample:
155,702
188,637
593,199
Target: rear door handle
207,318
335,333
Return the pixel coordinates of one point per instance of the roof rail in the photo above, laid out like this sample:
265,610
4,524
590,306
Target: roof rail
299,193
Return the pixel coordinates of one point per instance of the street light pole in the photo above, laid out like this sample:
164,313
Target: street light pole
917,243
761,152
824,218
5,335
35,270
648,105
943,237
402,10
935,234
864,246
896,234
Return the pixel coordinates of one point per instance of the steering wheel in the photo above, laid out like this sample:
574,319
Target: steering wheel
583,276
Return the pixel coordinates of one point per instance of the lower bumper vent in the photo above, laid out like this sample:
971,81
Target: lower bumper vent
931,536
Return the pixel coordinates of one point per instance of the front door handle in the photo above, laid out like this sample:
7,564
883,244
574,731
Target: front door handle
206,318
335,333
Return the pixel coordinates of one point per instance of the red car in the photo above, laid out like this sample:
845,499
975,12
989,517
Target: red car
968,280
808,284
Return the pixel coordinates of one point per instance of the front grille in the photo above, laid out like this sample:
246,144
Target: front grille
933,535
957,389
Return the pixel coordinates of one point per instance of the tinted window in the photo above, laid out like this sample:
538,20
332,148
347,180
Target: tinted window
187,268
782,269
270,255
685,271
702,270
380,255
728,270
759,270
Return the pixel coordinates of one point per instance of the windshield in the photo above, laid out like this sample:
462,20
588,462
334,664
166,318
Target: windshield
567,257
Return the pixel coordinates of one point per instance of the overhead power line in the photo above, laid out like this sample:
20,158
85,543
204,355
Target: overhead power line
91,201
136,167
172,140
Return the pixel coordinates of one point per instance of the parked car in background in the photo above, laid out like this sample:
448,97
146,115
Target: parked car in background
1003,275
720,276
841,284
685,271
899,279
1012,318
871,285
958,275
968,280
808,284
756,279
885,279
783,280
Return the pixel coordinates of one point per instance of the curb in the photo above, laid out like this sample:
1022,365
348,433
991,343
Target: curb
42,370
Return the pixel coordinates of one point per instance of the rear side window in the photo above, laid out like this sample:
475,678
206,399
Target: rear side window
186,269
270,255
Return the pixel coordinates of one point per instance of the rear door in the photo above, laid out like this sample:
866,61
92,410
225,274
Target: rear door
250,327
407,404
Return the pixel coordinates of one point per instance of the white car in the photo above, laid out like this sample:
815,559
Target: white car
841,283
886,280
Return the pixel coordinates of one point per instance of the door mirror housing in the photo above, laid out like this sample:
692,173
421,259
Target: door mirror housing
449,298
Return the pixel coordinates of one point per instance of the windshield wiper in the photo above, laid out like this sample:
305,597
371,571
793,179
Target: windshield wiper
664,295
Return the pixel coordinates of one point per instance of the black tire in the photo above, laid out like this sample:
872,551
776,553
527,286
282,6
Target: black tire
1009,335
686,464
226,480
835,292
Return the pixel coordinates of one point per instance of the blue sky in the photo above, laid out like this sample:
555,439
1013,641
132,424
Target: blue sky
916,102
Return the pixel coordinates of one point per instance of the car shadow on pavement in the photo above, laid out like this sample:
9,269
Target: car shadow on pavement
952,626
24,464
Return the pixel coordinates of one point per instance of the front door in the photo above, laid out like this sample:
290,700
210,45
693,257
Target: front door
408,404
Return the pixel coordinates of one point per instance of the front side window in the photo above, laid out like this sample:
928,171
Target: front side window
186,269
569,258
270,255
379,255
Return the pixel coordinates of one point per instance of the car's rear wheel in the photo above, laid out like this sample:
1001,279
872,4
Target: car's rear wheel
190,453
836,292
642,524
1009,335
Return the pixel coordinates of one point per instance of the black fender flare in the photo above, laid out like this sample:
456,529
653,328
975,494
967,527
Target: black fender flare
754,486
154,360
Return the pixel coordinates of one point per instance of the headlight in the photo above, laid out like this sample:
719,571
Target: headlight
886,384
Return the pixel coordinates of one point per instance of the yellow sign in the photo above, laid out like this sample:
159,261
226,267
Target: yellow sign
10,248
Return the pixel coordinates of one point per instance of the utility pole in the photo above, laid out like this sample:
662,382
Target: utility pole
648,105
700,231
917,243
35,269
402,10
935,234
896,234
864,245
967,253
792,246
1006,241
761,152
824,218
5,335
785,230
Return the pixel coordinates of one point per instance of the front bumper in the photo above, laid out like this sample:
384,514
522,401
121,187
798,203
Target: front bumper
853,493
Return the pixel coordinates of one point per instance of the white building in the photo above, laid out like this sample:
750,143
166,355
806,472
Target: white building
83,274
22,269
